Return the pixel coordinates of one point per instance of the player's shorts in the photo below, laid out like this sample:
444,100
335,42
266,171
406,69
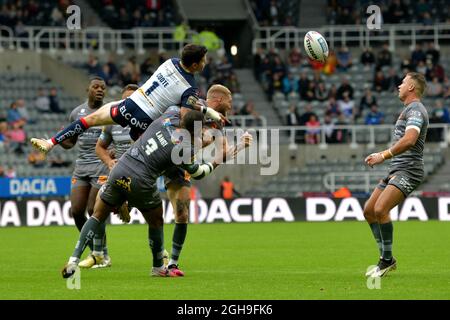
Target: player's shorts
132,185
85,175
406,181
177,176
128,113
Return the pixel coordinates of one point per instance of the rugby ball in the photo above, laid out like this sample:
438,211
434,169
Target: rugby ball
316,46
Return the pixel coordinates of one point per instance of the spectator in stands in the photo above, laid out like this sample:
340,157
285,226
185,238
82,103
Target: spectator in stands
275,85
347,106
303,84
397,12
295,58
367,57
290,84
434,88
225,67
313,132
10,173
321,92
341,134
292,116
367,100
16,137
379,82
421,68
328,127
374,117
310,92
278,67
446,87
22,109
293,119
14,117
2,172
393,80
93,66
233,84
249,110
147,69
42,102
333,93
258,58
406,66
304,118
107,76
440,114
113,71
36,159
434,71
331,63
417,55
344,87
332,108
344,59
54,101
432,53
384,57
3,139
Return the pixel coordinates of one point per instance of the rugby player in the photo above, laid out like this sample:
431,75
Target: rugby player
133,179
406,169
172,83
178,181
120,137
90,172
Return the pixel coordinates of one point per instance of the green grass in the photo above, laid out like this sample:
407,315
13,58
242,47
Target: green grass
234,261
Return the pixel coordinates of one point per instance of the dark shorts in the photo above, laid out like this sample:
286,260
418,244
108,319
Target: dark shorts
128,113
177,176
86,175
406,181
124,184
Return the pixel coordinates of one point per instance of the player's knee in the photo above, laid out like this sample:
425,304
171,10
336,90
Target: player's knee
182,211
380,211
368,212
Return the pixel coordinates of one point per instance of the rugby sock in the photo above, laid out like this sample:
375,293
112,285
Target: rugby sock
99,239
86,235
72,130
387,234
80,220
156,243
375,227
179,235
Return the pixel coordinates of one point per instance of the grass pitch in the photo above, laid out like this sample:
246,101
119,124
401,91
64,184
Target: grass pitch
234,261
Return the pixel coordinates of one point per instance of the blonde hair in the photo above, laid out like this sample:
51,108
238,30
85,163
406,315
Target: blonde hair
217,88
420,82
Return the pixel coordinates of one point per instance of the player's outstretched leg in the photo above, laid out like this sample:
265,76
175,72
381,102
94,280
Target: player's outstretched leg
98,118
90,228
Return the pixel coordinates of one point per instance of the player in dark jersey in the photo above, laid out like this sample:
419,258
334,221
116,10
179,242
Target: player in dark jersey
172,83
178,181
133,179
120,137
90,172
406,169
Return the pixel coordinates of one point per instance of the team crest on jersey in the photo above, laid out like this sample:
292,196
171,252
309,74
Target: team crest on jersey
124,183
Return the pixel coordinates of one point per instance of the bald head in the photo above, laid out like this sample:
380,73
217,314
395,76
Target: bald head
219,98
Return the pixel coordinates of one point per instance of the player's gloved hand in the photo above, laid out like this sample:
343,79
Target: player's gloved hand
374,159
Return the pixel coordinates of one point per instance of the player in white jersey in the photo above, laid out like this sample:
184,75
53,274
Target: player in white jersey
172,83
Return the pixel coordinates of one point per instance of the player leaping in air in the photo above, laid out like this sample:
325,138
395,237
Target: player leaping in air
172,83
133,179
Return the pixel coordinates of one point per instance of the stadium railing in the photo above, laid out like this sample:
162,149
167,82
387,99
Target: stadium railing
247,121
101,39
360,35
330,183
352,132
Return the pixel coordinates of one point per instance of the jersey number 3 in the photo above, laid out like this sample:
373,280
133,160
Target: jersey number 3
152,88
151,146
